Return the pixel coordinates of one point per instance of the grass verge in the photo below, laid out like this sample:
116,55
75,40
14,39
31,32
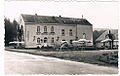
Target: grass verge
92,57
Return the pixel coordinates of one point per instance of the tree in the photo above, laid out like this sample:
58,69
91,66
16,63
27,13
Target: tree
10,30
112,37
15,26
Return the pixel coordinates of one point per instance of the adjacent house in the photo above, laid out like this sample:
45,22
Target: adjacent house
41,31
108,39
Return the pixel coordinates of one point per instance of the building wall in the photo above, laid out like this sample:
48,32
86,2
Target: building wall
31,30
30,36
88,30
99,45
22,23
115,44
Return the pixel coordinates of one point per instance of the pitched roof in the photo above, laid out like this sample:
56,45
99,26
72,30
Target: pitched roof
102,36
54,19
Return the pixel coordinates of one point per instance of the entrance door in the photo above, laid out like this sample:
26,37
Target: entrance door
45,42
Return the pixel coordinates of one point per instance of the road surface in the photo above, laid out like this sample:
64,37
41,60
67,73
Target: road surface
22,63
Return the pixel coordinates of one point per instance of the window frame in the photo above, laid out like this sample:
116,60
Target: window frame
84,35
52,40
63,32
70,32
52,29
38,30
38,40
45,38
45,28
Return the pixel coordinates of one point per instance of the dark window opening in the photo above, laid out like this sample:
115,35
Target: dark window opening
45,28
41,40
34,38
70,32
63,40
71,41
38,40
45,40
52,29
63,32
57,38
38,30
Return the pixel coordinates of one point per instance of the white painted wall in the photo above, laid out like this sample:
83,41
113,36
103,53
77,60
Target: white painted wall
32,29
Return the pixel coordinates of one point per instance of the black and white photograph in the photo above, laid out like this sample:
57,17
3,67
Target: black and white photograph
61,37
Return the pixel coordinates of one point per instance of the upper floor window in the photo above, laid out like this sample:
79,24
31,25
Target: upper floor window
45,28
52,29
70,32
38,30
63,32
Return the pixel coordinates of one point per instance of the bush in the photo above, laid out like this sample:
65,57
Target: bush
111,58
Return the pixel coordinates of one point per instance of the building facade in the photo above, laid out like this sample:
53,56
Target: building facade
41,31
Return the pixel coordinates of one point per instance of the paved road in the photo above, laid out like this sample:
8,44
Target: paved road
21,63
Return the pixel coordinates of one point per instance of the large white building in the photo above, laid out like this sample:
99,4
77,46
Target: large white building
50,30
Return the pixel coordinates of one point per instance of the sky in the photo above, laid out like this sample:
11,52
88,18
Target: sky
100,14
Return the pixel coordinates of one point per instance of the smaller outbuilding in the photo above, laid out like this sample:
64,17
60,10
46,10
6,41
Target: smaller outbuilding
108,39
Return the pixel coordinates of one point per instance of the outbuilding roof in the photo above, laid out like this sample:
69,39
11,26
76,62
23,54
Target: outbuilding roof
53,19
102,36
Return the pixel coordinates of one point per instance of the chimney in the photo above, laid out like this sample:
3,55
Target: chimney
36,19
82,16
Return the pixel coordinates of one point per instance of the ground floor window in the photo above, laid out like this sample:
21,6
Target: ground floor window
52,40
71,41
45,40
38,40
84,35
